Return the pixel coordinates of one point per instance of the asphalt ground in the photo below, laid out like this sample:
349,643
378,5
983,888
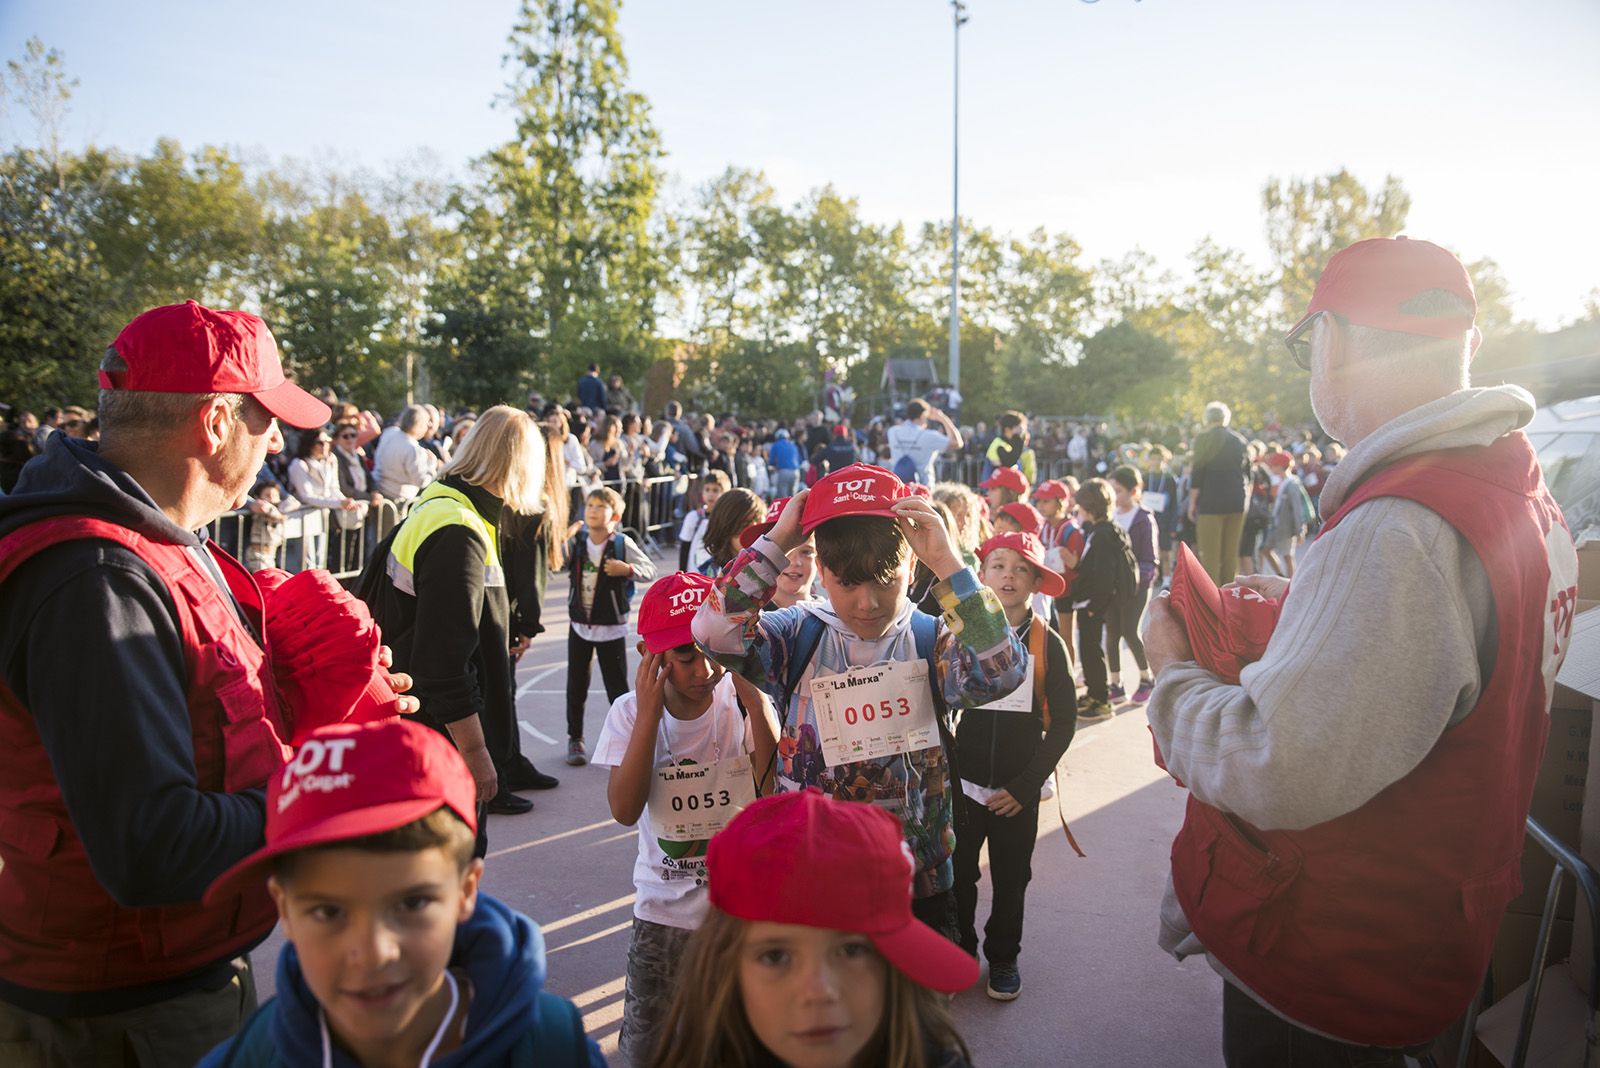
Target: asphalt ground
1096,989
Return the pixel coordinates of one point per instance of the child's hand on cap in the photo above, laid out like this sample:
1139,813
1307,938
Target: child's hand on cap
926,532
786,534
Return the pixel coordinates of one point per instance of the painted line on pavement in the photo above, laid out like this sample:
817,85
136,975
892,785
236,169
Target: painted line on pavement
531,683
536,732
554,838
579,917
607,933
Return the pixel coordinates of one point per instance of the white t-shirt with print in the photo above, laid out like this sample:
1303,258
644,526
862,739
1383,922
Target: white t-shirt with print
670,877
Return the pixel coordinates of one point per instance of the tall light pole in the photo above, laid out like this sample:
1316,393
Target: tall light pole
958,11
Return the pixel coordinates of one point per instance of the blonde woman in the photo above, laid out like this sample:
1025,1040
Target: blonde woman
970,529
443,603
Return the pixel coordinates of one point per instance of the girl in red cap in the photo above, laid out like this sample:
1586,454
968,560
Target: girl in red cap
809,956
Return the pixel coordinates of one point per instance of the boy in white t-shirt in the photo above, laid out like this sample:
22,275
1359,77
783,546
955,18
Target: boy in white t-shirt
684,713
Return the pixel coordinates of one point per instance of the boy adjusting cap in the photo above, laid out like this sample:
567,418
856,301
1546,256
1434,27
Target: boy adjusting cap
1006,478
857,489
1051,583
667,609
801,858
189,348
1370,281
351,780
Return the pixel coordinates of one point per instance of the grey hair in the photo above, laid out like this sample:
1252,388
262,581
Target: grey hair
412,416
138,413
1449,359
1218,414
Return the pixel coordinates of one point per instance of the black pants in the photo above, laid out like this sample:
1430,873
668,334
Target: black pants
939,912
1122,625
1255,1037
1011,840
1091,657
613,671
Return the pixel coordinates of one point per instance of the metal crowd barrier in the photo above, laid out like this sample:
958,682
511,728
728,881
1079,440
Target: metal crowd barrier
312,537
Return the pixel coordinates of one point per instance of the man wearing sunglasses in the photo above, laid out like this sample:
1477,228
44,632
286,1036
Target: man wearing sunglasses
1357,801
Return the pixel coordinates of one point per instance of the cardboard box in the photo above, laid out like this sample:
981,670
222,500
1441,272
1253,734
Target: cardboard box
1559,1025
1579,680
1589,570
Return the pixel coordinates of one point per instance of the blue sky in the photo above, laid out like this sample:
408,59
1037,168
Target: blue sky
1149,124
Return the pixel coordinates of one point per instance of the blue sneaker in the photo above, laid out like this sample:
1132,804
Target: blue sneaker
1005,982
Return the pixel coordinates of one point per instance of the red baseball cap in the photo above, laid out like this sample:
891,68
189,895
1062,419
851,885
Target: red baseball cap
1006,478
667,609
189,348
1027,546
1051,489
1369,281
1026,515
749,534
351,780
859,489
1278,461
784,859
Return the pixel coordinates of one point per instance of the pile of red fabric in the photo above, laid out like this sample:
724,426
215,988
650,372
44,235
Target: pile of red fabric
324,646
1228,627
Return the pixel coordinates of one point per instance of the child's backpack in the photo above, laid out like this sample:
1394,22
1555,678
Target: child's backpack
1126,579
619,549
905,469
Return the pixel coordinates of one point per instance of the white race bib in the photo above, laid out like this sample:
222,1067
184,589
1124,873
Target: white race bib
1156,502
870,712
1018,700
692,802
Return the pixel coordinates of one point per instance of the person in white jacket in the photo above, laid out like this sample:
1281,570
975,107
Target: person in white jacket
401,466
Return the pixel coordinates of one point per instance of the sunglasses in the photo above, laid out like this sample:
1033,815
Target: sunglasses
1298,341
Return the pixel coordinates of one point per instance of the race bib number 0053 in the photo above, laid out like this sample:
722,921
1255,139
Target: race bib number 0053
876,711
692,802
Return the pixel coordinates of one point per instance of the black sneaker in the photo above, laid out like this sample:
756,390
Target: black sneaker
1005,982
1096,710
506,803
525,776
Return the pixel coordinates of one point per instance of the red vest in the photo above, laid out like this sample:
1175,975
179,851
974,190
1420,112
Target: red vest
1376,926
59,929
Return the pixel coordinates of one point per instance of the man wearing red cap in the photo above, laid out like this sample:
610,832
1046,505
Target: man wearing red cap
1357,799
138,724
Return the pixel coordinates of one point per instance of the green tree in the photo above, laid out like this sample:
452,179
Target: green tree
575,192
1309,220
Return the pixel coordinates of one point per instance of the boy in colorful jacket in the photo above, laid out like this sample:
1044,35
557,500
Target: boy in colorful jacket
863,682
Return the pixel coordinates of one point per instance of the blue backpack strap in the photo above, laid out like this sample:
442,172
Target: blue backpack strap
557,1040
806,641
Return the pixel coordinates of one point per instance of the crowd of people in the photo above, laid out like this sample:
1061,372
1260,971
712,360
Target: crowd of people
862,670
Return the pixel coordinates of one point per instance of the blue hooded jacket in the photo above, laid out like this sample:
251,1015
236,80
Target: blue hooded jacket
510,1022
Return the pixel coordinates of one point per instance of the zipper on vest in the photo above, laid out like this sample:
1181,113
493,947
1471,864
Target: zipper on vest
1250,840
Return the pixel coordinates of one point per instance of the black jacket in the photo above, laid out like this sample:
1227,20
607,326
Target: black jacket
611,593
454,636
1012,750
1097,571
90,645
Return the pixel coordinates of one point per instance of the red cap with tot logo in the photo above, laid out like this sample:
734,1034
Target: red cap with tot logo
352,780
859,489
800,858
1051,584
667,609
